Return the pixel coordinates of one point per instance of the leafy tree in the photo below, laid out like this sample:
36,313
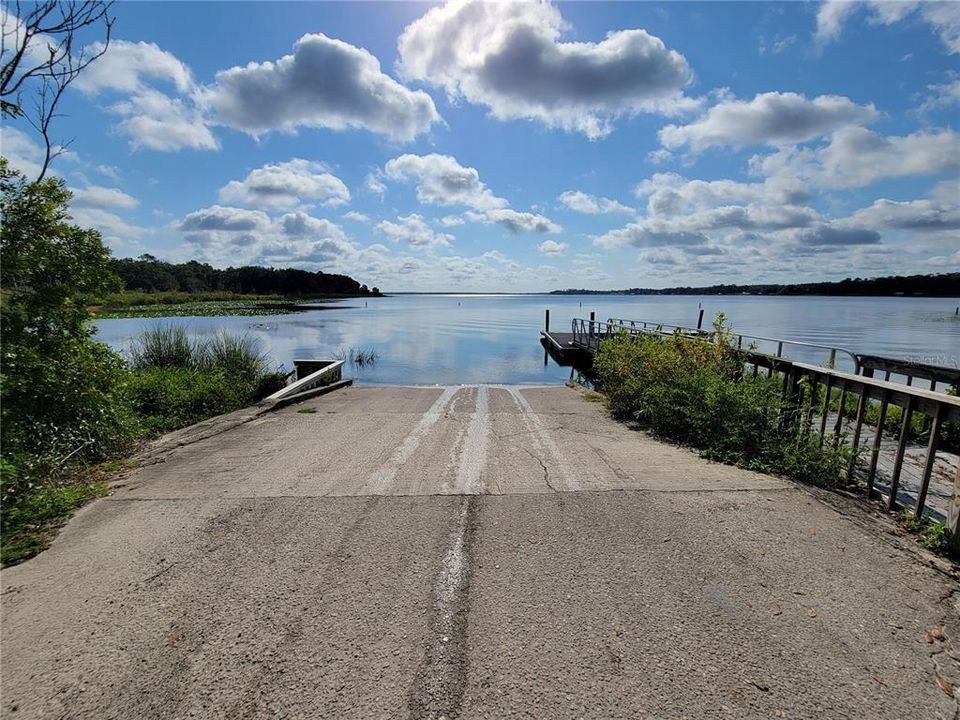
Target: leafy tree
147,273
60,391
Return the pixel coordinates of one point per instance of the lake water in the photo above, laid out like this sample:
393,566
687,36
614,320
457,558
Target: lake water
450,339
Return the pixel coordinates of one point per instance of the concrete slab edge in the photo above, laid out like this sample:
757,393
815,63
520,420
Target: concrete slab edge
307,394
867,514
165,444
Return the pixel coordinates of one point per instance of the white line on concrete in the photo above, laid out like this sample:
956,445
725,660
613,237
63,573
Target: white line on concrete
453,573
474,454
544,441
439,685
380,481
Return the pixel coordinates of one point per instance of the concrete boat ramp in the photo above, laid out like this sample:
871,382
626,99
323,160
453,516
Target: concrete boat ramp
468,552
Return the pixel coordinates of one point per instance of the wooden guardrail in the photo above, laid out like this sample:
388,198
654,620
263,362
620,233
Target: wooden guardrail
799,378
934,374
939,407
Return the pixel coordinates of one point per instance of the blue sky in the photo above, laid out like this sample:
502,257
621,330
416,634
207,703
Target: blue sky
524,146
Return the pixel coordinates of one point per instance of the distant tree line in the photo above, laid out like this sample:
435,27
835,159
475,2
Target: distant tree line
939,285
148,274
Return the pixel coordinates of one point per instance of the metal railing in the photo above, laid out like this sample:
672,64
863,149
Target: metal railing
756,344
767,350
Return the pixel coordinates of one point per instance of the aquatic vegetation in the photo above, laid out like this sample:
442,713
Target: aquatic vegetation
357,358
203,308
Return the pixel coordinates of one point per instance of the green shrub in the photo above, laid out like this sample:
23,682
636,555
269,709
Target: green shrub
693,391
169,398
177,381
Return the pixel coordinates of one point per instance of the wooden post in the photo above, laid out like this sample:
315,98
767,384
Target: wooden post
826,408
877,437
811,399
841,412
931,458
593,317
901,448
700,320
858,427
953,517
546,320
792,394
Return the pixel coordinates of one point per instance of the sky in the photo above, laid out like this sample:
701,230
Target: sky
473,146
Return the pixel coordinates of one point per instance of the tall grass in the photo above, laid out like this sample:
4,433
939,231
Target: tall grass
177,381
238,355
164,346
169,346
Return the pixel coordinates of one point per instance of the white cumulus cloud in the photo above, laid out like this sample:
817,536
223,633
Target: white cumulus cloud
413,230
772,118
942,17
325,83
219,217
590,205
287,184
442,180
127,65
96,196
552,247
857,157
509,57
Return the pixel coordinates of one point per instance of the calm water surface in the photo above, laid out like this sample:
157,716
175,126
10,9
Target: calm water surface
441,339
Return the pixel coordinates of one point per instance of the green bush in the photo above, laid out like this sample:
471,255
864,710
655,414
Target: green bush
237,355
693,391
67,401
61,393
167,398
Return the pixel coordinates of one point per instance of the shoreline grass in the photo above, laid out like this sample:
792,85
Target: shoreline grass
357,357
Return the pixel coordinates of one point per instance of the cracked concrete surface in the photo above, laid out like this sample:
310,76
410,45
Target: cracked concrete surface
468,552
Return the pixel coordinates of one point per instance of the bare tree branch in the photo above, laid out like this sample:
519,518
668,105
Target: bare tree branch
25,65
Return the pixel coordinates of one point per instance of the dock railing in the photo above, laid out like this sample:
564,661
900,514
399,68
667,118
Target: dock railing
757,344
832,418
